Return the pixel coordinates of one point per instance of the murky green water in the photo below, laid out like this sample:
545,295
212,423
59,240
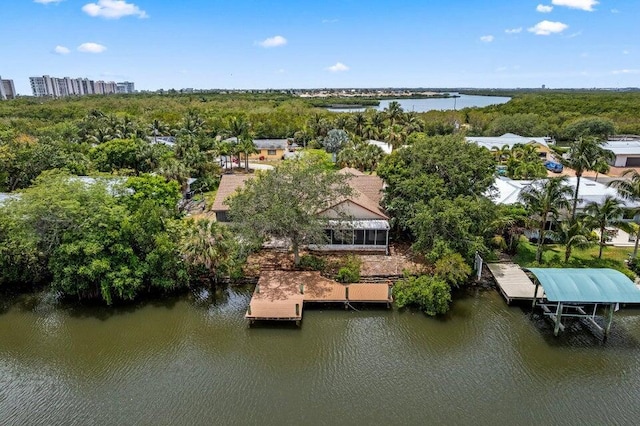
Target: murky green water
193,361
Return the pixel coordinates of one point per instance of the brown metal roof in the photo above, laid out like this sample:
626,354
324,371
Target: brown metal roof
229,184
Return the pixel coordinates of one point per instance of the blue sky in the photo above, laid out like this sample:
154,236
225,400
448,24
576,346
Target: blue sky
326,43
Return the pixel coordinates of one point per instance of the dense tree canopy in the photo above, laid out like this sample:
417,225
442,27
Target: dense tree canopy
285,202
435,193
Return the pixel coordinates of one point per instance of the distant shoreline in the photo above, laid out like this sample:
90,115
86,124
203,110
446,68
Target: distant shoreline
373,102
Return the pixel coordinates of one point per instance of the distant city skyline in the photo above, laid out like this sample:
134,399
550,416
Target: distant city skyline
252,44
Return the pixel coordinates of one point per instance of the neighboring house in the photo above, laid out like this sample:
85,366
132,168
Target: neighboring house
170,141
267,149
229,184
626,151
510,140
367,228
507,191
384,146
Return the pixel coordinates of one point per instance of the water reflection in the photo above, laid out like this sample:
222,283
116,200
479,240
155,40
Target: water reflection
194,360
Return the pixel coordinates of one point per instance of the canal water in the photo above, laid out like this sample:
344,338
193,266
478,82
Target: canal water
193,360
439,104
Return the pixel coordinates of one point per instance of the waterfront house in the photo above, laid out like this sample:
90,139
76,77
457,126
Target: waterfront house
367,226
267,149
626,150
510,140
507,191
384,146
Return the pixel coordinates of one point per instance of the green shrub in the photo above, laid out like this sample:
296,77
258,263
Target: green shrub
452,269
309,262
634,265
431,294
350,270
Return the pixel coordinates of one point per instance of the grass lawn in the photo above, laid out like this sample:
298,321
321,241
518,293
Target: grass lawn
553,256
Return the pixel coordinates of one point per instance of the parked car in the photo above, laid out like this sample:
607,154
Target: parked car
501,170
553,166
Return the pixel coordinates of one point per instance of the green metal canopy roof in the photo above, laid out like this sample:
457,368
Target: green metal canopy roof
586,285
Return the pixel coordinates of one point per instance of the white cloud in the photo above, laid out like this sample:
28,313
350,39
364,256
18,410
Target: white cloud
615,11
576,34
548,27
544,8
274,41
91,48
113,9
338,67
501,69
47,1
61,50
577,4
625,71
513,30
625,52
487,38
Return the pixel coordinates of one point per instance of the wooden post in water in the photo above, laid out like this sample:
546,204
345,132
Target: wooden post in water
346,296
249,310
535,294
558,318
258,288
301,288
297,309
607,329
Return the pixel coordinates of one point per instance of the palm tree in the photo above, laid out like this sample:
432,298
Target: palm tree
358,121
172,169
395,135
501,154
412,123
600,215
247,147
393,112
585,154
377,122
545,199
209,248
158,128
629,188
573,232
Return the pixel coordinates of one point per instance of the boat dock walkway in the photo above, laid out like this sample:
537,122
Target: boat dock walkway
280,295
513,283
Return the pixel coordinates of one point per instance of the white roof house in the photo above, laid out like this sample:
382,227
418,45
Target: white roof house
627,152
384,146
507,191
508,139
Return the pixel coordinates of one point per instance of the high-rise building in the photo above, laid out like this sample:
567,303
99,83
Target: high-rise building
126,87
7,89
60,87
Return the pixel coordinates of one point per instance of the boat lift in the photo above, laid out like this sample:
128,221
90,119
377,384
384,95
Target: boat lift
576,293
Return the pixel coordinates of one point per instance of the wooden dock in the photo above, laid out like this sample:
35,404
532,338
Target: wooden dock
281,295
513,283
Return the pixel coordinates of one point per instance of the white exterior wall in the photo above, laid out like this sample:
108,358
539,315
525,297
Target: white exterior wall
621,161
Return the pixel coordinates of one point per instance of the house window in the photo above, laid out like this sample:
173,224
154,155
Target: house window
370,238
271,152
359,237
327,236
381,238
